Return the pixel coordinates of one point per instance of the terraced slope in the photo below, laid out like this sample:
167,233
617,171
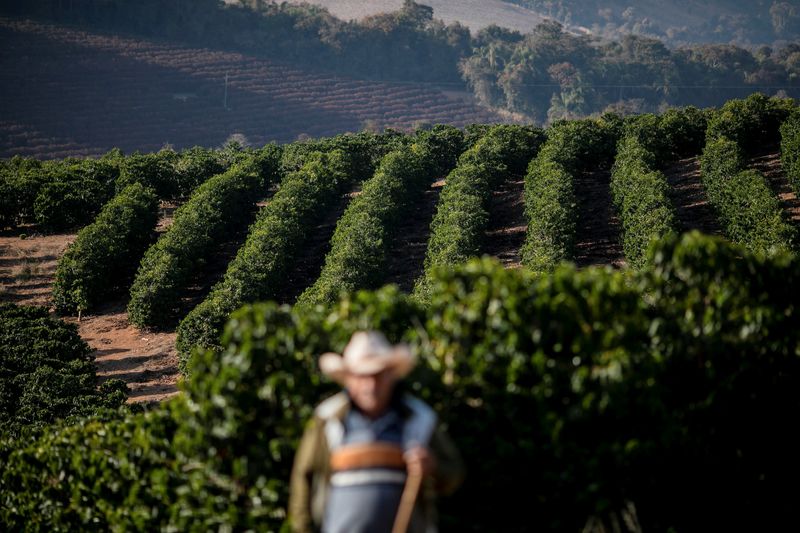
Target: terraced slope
73,93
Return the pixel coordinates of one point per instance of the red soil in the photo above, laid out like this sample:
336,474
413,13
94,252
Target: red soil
507,224
598,229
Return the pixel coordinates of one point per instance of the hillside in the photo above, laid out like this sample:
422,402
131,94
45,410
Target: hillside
744,22
475,14
678,22
76,93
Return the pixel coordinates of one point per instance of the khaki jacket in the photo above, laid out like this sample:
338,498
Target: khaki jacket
311,471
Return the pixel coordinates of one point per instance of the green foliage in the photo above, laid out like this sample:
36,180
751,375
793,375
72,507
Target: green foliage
551,211
640,196
673,134
194,167
592,389
725,334
110,470
103,257
441,146
751,123
550,205
747,207
46,372
360,242
683,131
265,259
223,205
364,150
460,222
151,170
57,195
61,205
790,149
358,248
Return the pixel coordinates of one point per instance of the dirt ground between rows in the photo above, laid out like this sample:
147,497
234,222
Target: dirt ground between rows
147,362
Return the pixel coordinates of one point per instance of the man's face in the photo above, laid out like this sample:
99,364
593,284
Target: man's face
371,392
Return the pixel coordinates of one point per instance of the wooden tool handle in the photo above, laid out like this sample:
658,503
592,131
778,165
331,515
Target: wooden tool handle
407,501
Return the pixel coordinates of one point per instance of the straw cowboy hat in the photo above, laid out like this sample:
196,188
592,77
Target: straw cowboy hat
368,352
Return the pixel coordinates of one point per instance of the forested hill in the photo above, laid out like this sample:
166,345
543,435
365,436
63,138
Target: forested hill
544,75
677,22
744,22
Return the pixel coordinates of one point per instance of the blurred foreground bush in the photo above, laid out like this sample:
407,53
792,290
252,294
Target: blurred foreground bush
572,396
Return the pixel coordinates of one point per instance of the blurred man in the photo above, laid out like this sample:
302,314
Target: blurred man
371,446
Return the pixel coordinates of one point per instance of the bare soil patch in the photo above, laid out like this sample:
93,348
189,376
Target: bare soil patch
146,361
406,254
28,266
688,195
598,240
507,225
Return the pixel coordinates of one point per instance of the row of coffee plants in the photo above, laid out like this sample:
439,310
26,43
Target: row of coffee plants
174,175
222,206
46,372
364,150
274,240
550,202
62,195
790,150
103,258
459,225
748,209
640,197
676,133
750,213
605,394
57,195
357,258
753,123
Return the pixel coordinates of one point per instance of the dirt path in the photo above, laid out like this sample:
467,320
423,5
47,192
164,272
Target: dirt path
309,262
769,164
687,194
507,225
598,229
406,255
147,362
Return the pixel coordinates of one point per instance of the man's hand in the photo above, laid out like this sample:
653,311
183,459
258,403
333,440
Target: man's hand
420,461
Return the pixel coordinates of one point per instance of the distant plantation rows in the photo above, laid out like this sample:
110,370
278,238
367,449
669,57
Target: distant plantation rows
156,93
544,75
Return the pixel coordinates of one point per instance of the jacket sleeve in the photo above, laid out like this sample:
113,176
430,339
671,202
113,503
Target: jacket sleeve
450,470
304,468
